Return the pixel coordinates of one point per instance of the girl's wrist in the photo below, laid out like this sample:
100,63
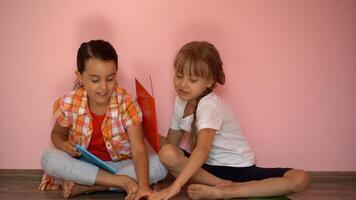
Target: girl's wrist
143,184
144,187
178,184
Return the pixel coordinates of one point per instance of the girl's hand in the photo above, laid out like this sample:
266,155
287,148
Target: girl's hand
70,149
143,192
166,193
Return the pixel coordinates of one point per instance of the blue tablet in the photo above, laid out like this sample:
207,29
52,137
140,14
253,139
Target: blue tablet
91,158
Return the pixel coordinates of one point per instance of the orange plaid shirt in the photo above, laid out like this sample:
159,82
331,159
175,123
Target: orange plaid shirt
72,111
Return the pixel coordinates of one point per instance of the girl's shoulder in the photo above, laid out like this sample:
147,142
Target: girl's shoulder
75,94
212,102
211,98
71,100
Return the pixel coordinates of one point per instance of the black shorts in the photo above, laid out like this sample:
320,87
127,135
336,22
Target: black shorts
242,174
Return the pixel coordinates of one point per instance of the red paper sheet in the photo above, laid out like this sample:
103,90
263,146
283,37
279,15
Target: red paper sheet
148,107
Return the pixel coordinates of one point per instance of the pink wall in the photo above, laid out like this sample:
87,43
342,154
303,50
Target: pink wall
290,69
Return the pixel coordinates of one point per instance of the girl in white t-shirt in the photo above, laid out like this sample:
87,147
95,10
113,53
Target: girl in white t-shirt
219,159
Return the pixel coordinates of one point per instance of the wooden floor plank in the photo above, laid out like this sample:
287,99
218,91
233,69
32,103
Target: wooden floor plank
22,184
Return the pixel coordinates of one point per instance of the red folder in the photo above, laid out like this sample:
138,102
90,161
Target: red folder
148,107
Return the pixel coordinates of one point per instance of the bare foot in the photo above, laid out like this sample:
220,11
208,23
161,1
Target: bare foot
129,185
199,191
67,189
70,189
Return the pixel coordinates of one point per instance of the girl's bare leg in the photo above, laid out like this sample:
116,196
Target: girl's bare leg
71,189
292,181
103,181
174,160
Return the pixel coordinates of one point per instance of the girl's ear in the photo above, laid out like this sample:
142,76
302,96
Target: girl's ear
210,83
79,76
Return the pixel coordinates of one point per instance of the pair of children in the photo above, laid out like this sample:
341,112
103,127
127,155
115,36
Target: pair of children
106,120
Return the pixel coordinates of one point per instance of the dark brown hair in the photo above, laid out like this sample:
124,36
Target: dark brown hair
98,49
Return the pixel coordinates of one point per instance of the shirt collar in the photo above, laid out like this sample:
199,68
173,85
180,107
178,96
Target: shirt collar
113,107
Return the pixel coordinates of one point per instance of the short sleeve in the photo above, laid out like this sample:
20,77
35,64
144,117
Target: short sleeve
175,116
132,114
59,114
209,116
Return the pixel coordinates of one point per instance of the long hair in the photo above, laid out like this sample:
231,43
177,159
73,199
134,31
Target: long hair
199,58
98,49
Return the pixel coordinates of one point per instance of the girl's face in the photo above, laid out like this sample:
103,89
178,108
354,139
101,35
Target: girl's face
189,88
99,80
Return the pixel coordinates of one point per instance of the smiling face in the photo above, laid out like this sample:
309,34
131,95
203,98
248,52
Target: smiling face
198,67
191,81
99,80
189,88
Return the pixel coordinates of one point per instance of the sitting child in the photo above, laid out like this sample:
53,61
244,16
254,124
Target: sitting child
220,159
106,120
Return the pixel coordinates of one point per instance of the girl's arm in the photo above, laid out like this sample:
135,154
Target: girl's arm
140,159
198,156
195,161
174,136
60,140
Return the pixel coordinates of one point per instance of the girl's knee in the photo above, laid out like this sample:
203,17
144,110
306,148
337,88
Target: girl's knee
299,179
48,158
51,160
302,182
169,154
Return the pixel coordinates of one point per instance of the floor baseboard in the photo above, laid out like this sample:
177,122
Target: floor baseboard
322,176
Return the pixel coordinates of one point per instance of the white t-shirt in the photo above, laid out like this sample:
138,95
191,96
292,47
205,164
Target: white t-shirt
229,147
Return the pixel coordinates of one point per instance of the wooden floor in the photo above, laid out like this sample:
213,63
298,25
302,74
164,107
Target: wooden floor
22,184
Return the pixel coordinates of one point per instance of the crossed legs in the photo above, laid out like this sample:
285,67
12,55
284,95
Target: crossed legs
212,187
81,177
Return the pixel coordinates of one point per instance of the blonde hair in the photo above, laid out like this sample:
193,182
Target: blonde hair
199,58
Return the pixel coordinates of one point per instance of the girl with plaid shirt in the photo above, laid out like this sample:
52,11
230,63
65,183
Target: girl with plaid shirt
106,120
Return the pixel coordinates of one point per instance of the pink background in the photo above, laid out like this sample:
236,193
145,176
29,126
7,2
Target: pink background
290,66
